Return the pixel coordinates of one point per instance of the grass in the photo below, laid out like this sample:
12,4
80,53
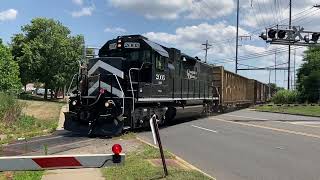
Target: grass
22,175
38,118
303,110
137,166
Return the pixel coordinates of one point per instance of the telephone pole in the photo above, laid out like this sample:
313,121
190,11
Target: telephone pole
275,66
289,55
237,36
294,70
207,46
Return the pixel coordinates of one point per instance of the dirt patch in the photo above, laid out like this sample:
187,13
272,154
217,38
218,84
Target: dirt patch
43,110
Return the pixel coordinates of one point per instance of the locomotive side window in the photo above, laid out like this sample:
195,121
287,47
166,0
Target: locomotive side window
159,60
146,56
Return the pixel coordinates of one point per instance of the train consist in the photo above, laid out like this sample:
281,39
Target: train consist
134,78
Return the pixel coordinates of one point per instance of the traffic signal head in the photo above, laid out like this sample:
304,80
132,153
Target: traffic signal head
263,36
272,33
315,37
281,34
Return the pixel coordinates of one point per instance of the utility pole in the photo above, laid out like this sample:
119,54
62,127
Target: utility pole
237,36
294,70
207,46
275,67
289,55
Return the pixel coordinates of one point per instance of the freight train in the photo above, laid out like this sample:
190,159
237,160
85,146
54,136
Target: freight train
133,79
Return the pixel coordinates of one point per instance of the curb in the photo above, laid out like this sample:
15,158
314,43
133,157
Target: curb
287,113
63,109
179,159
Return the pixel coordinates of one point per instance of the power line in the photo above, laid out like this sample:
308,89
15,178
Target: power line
256,55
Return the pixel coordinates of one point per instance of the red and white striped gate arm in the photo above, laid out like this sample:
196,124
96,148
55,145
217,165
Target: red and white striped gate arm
17,163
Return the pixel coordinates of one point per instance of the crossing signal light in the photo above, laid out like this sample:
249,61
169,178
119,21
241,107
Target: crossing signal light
116,149
272,33
281,34
315,37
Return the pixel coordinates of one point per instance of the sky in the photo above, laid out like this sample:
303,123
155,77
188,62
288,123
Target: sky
183,24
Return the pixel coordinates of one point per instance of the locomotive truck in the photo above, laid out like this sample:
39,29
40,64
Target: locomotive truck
133,79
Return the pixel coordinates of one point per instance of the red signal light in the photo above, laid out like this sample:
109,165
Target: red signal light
116,149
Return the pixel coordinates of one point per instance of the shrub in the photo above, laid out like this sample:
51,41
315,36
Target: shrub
285,97
10,108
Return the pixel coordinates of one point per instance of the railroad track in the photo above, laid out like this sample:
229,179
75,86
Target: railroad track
59,141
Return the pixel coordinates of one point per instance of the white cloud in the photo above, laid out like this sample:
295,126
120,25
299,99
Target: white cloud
173,9
78,2
115,30
85,11
7,15
190,38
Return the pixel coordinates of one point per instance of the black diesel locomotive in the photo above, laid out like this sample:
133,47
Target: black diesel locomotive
132,79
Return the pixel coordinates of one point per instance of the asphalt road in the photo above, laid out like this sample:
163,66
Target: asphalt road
248,145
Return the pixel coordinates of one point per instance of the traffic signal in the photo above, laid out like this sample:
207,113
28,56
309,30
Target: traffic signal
272,33
315,37
281,34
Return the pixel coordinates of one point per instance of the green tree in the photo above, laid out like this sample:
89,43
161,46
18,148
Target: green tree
309,75
9,70
47,53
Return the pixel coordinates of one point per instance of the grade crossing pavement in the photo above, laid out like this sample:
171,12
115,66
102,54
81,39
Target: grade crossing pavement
247,144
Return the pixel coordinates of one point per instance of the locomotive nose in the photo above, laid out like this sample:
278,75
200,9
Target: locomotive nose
105,73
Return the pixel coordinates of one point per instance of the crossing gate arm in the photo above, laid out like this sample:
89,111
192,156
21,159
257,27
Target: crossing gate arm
25,163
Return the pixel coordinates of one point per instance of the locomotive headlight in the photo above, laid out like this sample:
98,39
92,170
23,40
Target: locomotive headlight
74,102
106,104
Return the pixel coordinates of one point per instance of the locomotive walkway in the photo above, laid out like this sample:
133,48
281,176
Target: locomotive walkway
247,144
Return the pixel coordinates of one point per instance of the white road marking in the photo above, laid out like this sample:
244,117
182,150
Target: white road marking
307,124
204,129
246,117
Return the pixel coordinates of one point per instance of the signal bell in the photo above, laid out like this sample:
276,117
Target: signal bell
263,36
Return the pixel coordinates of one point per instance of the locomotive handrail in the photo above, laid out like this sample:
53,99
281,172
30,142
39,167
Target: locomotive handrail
71,82
122,93
137,69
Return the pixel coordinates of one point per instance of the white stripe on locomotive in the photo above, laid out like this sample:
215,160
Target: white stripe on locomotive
106,86
106,67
